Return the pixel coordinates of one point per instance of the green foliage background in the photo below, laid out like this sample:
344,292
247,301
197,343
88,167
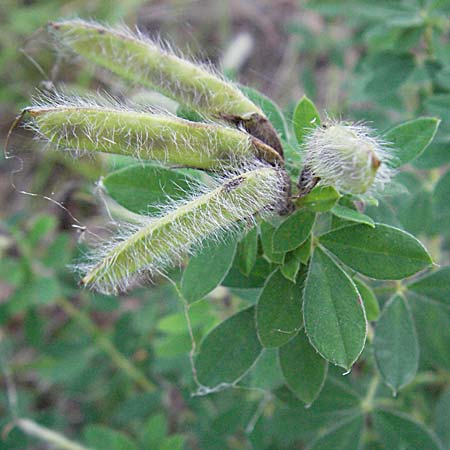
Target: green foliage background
115,373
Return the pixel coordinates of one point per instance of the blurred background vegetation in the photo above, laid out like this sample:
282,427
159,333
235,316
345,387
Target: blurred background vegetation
114,373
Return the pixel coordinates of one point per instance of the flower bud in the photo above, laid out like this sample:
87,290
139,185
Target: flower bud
345,156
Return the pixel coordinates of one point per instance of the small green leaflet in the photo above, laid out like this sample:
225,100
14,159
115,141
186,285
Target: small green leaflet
320,199
351,215
266,373
346,435
383,252
101,437
303,368
434,286
399,431
410,139
267,231
395,344
207,269
293,231
278,311
369,299
334,318
229,350
305,118
247,251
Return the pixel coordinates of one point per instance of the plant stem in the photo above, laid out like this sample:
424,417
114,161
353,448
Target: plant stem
367,403
51,437
107,346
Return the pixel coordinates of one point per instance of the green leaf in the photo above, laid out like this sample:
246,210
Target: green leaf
346,435
229,350
266,373
399,431
256,279
333,315
395,344
174,442
154,432
101,437
293,231
303,368
434,286
320,199
388,71
247,251
291,266
369,299
43,290
305,118
141,188
433,328
267,231
278,311
304,251
351,215
410,139
270,109
42,225
206,270
383,252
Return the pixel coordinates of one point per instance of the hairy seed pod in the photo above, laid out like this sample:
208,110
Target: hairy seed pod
345,156
86,126
135,57
162,241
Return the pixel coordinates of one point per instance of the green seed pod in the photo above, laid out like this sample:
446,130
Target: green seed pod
163,241
87,126
345,156
136,58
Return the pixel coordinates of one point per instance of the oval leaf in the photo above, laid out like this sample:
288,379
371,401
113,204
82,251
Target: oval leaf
229,350
206,270
267,231
320,199
397,430
395,344
303,368
333,315
104,438
434,286
369,299
247,251
345,435
305,118
278,312
351,215
383,252
143,188
293,231
411,138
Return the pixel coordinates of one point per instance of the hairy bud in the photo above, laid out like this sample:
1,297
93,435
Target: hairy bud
345,156
160,242
103,126
137,58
